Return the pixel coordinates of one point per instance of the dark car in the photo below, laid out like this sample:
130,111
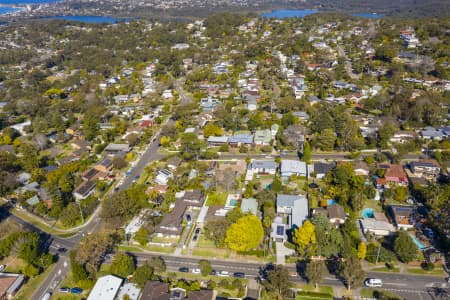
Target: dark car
184,270
195,238
213,272
239,275
76,290
197,231
62,249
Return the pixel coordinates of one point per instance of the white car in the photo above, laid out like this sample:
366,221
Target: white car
2,268
223,273
373,282
196,271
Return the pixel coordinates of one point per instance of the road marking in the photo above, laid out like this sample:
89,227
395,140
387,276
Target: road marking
391,283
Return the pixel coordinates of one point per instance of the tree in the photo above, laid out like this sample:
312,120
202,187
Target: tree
305,238
205,267
122,265
90,250
190,145
158,264
132,139
141,236
315,271
78,271
30,271
211,129
143,274
216,231
278,281
404,247
400,194
325,140
306,152
351,271
119,163
246,234
362,251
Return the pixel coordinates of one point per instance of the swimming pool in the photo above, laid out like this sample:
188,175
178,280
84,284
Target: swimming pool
233,202
418,243
331,202
367,213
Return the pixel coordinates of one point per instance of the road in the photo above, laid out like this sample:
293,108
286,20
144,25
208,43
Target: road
409,286
348,64
61,268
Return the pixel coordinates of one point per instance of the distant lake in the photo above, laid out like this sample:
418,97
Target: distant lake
292,13
289,13
26,1
8,10
87,19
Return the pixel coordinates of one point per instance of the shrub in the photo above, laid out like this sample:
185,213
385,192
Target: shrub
427,266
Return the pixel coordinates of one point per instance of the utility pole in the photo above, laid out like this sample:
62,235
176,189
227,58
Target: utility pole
378,253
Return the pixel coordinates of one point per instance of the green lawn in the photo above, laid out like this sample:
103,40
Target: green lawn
132,248
385,269
32,284
216,199
437,271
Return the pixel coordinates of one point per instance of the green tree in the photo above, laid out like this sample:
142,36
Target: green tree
205,267
246,234
325,140
404,247
77,269
306,152
141,236
211,129
30,271
278,281
158,264
351,271
305,238
362,251
122,265
315,271
143,274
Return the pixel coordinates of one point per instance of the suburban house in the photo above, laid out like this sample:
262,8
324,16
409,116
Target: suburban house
294,207
240,139
336,214
9,285
263,137
263,167
403,136
171,224
431,133
163,176
117,148
129,289
393,175
91,174
428,169
217,141
293,167
378,226
106,288
403,216
361,168
84,190
249,205
278,232
155,290
105,165
321,169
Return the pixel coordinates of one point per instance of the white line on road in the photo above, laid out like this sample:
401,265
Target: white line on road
399,284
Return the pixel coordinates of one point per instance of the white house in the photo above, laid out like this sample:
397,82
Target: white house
263,167
293,167
106,288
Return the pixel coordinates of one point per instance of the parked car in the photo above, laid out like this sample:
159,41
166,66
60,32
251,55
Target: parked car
183,270
47,296
196,271
197,231
195,238
239,275
213,273
223,273
373,282
62,249
64,290
447,279
76,290
2,268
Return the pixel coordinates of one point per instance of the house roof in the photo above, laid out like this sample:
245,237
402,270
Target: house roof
6,282
241,138
264,164
263,135
217,139
336,211
117,147
376,225
395,171
249,205
155,290
323,168
288,200
293,166
105,288
85,188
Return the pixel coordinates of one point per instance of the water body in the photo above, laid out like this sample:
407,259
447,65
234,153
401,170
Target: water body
88,19
289,13
292,13
8,10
